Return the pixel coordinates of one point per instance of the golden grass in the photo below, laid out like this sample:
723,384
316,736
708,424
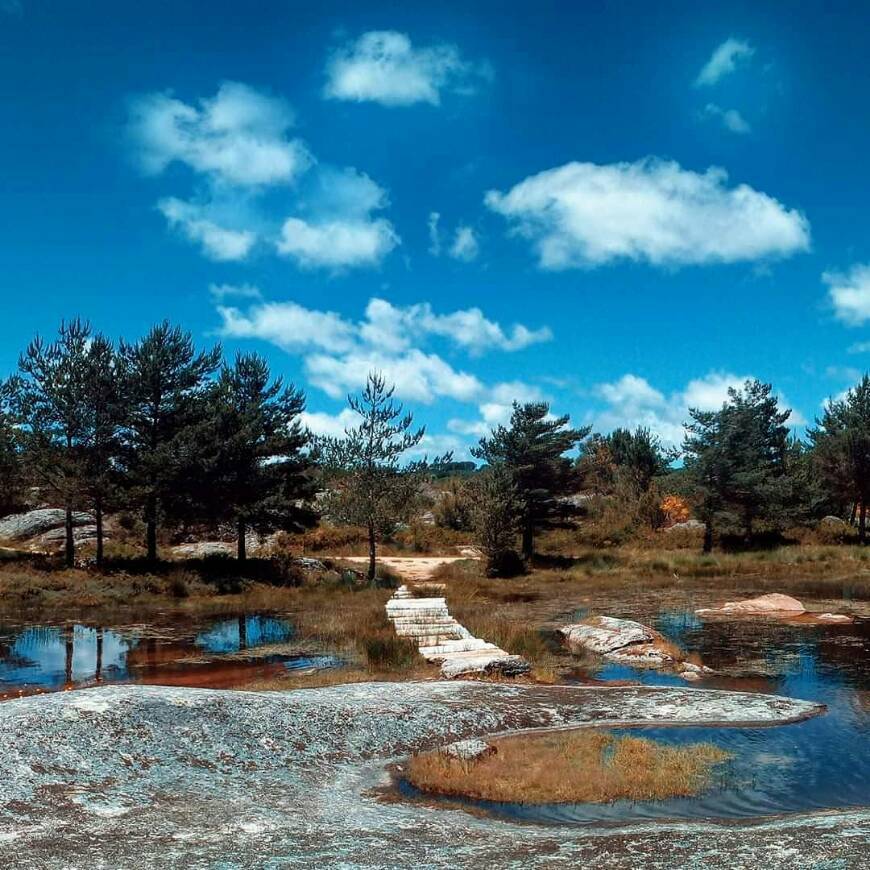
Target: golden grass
571,767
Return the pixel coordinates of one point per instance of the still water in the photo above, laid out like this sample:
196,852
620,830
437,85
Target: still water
218,653
822,763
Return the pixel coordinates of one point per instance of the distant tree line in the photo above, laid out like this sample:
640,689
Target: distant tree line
178,435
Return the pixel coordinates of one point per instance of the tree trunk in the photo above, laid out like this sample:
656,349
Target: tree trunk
70,548
862,523
98,515
68,657
708,537
151,528
372,552
98,670
242,552
243,632
528,545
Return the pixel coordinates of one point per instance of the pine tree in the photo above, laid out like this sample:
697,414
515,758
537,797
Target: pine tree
11,473
841,449
260,477
496,510
533,447
368,485
736,459
165,382
105,413
52,403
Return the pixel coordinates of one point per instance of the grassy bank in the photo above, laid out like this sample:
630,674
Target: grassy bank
571,767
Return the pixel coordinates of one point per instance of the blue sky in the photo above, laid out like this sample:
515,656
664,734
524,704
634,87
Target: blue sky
620,208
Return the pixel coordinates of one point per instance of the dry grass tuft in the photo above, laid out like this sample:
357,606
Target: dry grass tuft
571,767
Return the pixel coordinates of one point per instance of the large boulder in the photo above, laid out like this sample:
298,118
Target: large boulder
604,634
773,603
21,527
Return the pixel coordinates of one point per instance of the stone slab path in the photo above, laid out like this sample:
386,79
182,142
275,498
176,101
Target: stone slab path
442,640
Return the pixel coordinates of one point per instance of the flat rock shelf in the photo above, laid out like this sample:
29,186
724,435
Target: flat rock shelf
146,776
442,640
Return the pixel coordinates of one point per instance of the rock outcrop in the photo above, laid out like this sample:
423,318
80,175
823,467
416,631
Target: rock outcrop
442,640
775,605
22,527
142,777
630,643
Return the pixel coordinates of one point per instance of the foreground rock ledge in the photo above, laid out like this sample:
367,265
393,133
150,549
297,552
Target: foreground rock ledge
137,776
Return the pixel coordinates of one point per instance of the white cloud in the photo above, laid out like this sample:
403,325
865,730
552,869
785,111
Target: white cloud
724,61
392,328
465,244
339,353
632,401
220,292
417,376
332,425
340,232
337,244
860,347
586,215
237,137
731,119
289,326
217,242
383,66
849,293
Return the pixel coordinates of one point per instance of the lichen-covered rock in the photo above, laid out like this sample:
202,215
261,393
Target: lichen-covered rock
468,750
141,777
21,527
603,634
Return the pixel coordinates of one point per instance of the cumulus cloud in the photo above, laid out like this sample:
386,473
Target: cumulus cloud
289,326
849,293
331,425
339,231
632,401
337,244
586,215
730,119
339,352
238,146
216,242
418,376
394,328
724,61
465,244
383,66
237,137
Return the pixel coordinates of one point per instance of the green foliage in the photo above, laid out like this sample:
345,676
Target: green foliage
11,470
165,382
497,509
454,507
736,460
624,458
257,474
532,448
368,484
841,454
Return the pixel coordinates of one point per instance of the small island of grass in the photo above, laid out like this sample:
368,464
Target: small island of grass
571,767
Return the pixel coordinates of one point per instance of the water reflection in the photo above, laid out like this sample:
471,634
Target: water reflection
51,657
823,763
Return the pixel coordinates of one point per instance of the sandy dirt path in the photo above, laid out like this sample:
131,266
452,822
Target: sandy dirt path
414,569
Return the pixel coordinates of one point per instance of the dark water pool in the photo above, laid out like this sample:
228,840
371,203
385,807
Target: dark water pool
822,763
218,653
